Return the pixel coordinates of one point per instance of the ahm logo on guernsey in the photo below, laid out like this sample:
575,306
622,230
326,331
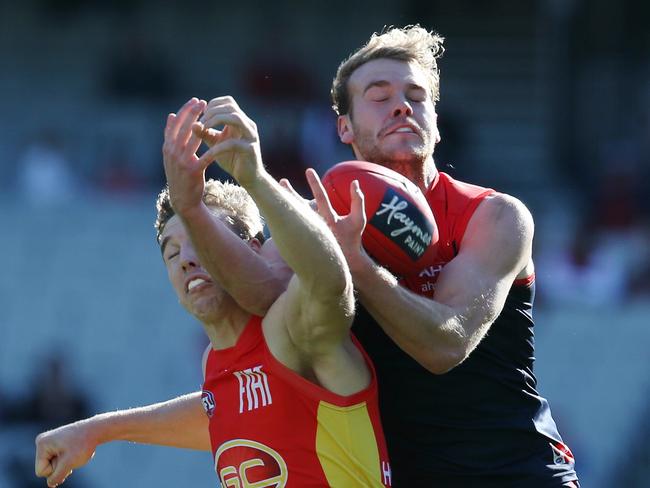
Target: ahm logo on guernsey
431,271
254,391
243,463
562,454
403,223
207,399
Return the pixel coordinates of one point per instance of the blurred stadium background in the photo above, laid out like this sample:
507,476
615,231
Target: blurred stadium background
548,100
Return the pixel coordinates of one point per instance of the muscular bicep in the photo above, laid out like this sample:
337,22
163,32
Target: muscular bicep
495,248
314,323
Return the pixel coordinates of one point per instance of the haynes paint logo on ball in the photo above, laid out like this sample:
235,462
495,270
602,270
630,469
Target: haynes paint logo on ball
402,222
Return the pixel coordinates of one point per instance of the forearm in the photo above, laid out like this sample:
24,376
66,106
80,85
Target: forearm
246,275
301,236
430,332
180,422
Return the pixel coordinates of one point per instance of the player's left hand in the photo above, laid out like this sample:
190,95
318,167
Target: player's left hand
235,147
348,229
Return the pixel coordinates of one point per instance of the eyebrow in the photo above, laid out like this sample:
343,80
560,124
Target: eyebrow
378,83
385,83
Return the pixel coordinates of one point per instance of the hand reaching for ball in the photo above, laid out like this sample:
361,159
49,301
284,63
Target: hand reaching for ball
348,229
401,233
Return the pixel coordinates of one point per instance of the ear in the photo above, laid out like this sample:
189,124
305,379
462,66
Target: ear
436,132
344,126
255,245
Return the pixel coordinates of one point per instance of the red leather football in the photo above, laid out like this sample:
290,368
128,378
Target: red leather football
401,233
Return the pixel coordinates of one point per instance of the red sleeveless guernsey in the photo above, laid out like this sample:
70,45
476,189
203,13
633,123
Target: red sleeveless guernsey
270,427
453,203
483,423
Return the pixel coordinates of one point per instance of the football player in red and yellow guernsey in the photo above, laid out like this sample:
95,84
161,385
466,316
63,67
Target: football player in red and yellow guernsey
289,398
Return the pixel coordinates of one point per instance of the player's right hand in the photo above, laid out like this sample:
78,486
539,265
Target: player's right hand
185,175
62,450
236,146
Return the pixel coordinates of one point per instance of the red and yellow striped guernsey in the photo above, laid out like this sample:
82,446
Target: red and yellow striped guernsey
270,427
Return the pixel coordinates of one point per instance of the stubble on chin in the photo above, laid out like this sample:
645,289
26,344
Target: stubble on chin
415,163
204,310
403,160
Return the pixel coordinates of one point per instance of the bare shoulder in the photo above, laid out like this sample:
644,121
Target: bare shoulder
503,213
500,235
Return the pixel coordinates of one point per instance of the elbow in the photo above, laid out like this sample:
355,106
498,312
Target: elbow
341,286
447,351
334,286
442,362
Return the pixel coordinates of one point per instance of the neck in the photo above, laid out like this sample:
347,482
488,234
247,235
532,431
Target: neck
422,175
224,329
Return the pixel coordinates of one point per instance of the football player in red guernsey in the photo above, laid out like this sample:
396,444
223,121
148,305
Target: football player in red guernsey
454,351
289,399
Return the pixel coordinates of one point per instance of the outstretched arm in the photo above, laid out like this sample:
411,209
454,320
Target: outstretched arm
180,422
470,292
319,300
251,279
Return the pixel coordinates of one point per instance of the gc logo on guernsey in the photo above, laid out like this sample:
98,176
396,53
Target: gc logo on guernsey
243,463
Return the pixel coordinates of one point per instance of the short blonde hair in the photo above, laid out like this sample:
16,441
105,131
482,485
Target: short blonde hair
410,43
242,215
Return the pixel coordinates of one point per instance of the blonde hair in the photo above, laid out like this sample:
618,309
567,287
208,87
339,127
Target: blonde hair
411,44
242,215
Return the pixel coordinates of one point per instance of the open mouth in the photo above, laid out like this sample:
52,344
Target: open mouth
194,283
403,130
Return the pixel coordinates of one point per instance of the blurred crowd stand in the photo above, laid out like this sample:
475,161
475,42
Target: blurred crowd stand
52,399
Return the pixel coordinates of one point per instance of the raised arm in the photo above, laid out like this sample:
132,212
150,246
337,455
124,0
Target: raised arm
253,280
319,302
470,292
180,422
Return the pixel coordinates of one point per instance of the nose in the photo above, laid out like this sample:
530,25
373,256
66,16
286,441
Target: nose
402,108
189,260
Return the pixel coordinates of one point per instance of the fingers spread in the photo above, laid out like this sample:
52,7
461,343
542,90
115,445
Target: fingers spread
357,201
222,148
169,125
225,108
320,195
223,101
179,117
286,184
356,195
236,120
190,116
192,146
206,134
